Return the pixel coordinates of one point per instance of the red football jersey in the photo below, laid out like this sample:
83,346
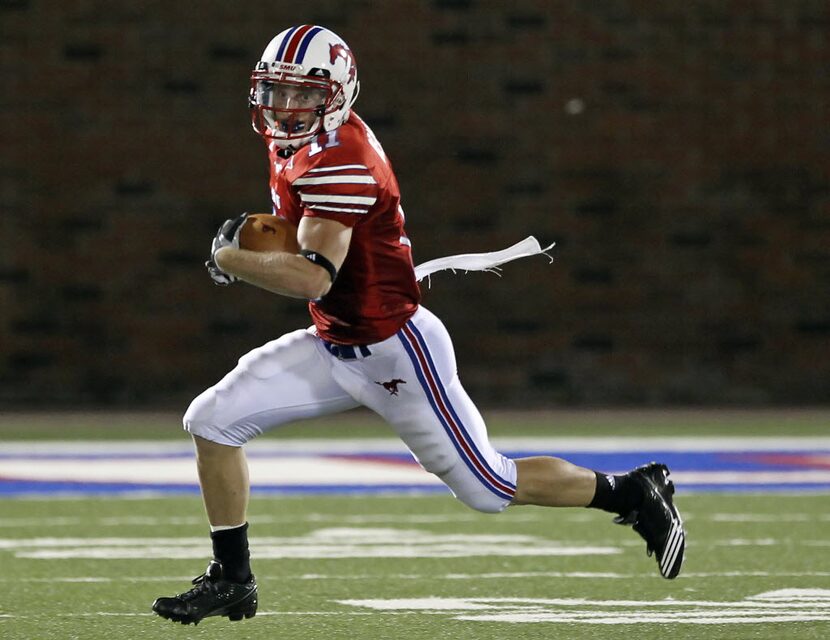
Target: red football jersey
344,175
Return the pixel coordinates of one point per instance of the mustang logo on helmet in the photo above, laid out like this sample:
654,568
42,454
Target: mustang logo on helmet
338,50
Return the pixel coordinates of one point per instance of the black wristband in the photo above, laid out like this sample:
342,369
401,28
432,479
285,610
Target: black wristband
320,260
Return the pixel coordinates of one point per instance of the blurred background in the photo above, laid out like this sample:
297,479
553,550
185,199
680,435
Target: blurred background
676,152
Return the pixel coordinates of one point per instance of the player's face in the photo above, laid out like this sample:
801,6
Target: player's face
292,108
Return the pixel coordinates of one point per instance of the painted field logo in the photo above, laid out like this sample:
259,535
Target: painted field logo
785,605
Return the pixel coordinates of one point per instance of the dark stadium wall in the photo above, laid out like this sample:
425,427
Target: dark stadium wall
676,152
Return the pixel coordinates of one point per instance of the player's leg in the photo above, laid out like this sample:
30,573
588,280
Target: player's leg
442,427
282,381
223,478
553,482
642,497
478,469
411,381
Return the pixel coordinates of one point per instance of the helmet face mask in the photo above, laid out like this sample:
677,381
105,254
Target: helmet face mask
304,84
290,108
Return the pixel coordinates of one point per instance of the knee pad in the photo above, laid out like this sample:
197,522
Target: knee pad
469,490
196,420
200,419
484,501
191,416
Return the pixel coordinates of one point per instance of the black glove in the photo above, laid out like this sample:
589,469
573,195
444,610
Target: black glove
227,236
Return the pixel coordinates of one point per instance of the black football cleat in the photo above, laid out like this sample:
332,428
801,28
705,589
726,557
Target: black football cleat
212,596
657,520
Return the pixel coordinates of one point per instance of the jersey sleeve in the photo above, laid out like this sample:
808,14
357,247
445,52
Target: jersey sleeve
341,192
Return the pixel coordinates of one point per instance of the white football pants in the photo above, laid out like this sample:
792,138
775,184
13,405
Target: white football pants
409,379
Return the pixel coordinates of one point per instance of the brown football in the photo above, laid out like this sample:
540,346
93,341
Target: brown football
265,232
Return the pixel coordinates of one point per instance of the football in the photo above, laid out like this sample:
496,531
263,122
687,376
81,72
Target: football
266,232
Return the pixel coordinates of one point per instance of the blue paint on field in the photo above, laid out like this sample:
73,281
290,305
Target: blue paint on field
734,462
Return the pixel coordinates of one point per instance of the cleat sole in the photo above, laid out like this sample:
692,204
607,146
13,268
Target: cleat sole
239,615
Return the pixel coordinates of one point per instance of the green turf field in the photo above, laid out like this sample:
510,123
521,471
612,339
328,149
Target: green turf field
758,566
364,424
82,568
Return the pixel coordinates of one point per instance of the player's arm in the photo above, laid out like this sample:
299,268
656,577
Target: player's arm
291,274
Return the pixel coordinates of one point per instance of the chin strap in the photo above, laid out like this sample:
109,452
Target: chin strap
483,261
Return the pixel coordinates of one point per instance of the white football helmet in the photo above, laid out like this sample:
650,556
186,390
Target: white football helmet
305,84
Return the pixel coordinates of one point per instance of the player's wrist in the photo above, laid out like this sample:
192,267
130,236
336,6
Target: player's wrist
222,257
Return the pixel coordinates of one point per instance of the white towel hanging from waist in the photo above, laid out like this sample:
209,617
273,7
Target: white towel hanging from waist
483,261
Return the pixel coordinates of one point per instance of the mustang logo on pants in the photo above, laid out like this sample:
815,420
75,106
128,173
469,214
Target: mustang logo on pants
392,385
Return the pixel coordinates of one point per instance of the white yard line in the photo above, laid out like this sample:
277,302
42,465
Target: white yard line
799,476
524,575
393,445
325,471
754,518
384,518
391,518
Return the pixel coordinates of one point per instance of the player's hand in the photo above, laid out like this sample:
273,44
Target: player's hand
227,236
217,275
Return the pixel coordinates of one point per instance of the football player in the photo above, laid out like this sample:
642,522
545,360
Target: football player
371,343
